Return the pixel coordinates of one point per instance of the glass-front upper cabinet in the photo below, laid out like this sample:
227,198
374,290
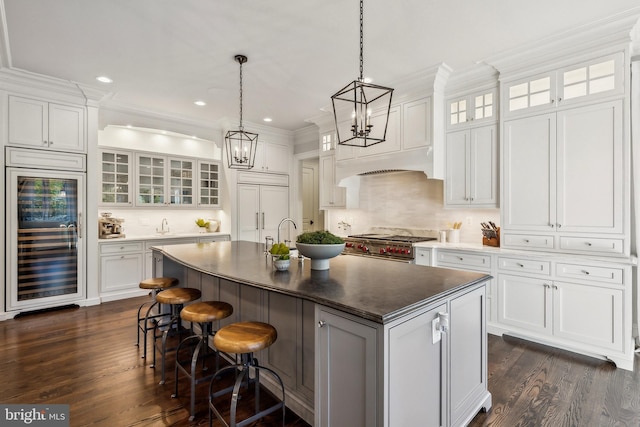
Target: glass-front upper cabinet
116,187
480,106
590,80
164,181
209,184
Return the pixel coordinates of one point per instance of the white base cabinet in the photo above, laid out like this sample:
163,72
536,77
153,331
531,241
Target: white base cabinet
416,370
121,270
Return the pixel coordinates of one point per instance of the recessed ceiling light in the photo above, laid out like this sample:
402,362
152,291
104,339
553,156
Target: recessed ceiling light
104,79
267,119
200,103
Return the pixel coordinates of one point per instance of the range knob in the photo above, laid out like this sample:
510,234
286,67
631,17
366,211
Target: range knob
382,251
397,250
403,251
349,245
360,246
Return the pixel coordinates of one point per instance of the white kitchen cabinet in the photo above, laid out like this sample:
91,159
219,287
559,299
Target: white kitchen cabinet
416,123
164,181
260,210
121,269
393,136
331,195
117,178
41,124
209,184
563,176
586,81
423,256
569,303
475,108
472,167
473,261
148,254
272,157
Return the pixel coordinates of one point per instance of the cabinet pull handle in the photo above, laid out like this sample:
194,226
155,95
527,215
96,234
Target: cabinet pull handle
263,220
554,287
546,285
257,221
79,225
321,323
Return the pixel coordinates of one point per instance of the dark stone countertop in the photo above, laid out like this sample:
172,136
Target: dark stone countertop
373,289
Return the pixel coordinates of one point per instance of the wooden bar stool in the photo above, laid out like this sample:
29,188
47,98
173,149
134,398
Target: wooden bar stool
244,338
204,314
155,285
176,298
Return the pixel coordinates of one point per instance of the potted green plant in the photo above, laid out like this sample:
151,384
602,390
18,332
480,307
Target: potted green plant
320,246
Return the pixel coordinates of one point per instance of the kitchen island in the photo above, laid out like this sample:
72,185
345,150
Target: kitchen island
366,343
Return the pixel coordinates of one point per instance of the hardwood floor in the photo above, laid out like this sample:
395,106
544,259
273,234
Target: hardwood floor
86,357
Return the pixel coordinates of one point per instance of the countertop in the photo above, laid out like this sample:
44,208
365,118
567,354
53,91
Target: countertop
491,250
162,236
373,289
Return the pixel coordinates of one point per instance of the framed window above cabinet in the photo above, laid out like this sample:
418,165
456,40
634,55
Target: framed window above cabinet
474,108
582,82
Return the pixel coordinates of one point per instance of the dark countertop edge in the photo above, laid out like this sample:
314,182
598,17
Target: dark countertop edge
332,304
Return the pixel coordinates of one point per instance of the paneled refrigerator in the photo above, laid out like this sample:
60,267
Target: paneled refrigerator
45,250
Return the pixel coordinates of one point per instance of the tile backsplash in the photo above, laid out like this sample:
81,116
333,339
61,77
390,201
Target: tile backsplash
407,200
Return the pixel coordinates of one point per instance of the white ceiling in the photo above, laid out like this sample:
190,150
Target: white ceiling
165,54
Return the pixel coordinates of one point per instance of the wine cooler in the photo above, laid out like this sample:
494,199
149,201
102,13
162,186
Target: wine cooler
45,250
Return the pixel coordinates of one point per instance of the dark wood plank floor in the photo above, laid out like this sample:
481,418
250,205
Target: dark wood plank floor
86,357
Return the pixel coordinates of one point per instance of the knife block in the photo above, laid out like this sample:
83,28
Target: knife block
495,242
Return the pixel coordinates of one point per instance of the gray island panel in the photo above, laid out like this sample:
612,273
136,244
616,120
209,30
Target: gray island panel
380,291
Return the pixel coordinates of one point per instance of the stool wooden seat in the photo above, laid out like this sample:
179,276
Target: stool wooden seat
244,338
177,296
174,298
204,313
154,284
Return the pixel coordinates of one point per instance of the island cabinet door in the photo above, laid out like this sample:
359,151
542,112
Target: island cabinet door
468,362
346,371
416,371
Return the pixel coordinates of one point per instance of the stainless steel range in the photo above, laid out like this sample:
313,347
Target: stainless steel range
384,246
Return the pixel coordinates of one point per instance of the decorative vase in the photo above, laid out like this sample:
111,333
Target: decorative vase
320,254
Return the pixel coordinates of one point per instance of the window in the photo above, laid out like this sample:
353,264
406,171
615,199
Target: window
589,80
483,106
458,112
530,94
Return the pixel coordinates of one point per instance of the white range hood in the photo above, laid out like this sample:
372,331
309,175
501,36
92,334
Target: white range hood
420,159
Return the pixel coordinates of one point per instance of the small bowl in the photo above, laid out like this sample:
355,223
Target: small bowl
281,264
320,254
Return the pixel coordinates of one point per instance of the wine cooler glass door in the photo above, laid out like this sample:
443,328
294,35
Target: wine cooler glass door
46,251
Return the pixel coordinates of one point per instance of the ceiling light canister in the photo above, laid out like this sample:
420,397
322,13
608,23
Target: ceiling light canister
361,109
240,145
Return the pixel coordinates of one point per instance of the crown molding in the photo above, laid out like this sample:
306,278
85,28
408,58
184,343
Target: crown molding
477,77
39,85
609,33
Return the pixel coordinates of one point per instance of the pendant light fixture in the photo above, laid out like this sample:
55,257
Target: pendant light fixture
241,146
361,109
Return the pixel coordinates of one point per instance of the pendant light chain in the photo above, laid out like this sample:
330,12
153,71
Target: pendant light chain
241,61
361,40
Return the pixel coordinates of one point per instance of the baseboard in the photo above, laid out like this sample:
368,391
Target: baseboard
123,295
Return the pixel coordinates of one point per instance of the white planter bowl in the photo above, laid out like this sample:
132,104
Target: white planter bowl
320,254
281,264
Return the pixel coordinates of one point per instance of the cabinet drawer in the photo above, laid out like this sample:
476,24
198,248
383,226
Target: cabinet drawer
527,241
588,272
524,265
115,248
588,244
165,242
423,256
463,260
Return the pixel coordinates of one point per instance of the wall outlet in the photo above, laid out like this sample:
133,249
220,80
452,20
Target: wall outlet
469,220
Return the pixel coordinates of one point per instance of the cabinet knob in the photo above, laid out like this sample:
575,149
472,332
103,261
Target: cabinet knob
520,265
526,240
321,323
585,272
559,225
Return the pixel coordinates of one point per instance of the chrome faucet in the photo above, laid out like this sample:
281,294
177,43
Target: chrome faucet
162,230
282,222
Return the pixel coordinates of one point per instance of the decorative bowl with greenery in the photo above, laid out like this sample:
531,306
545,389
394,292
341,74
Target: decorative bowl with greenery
320,246
280,256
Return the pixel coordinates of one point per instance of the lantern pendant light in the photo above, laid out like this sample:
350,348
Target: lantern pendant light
241,146
361,109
